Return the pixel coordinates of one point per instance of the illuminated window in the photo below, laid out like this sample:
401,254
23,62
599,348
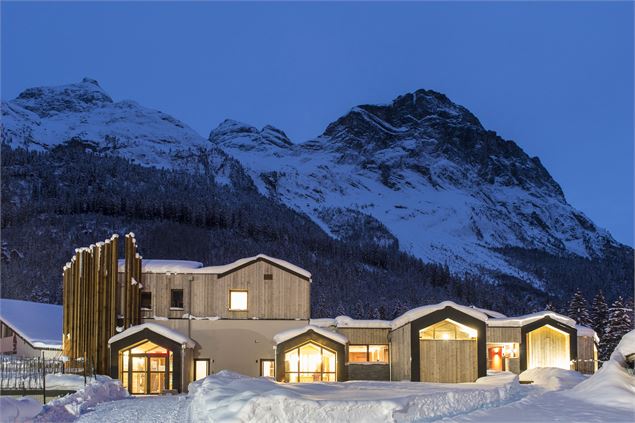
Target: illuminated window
201,368
310,363
267,368
448,330
146,368
238,300
368,353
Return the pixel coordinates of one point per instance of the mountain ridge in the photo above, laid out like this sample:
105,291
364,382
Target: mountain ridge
420,173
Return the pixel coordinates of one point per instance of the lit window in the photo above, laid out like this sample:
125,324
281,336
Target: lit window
201,368
368,353
310,363
267,368
238,300
448,330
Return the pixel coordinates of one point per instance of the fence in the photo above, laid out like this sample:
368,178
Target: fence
29,373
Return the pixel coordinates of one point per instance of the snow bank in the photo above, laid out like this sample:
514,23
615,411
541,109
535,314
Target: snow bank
552,378
38,323
292,333
18,410
612,385
68,408
228,396
157,328
418,312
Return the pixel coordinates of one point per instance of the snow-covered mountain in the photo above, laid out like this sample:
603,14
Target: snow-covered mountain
421,172
448,189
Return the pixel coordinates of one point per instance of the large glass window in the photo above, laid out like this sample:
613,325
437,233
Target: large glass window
310,363
146,368
238,300
368,353
448,330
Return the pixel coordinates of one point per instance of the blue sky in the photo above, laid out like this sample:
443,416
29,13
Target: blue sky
557,78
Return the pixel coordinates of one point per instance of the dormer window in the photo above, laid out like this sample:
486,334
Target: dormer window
237,300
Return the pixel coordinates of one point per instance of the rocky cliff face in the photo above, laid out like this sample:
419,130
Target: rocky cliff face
420,174
449,190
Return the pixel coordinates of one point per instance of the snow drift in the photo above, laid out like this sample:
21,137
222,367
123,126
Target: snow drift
612,385
68,408
552,378
229,396
18,410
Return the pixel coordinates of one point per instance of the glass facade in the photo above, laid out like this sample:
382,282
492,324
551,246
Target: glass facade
368,354
448,330
310,363
146,368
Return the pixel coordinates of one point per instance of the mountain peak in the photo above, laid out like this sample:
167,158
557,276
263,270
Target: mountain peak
248,137
79,97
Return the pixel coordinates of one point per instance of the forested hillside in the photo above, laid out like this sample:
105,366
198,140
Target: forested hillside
56,201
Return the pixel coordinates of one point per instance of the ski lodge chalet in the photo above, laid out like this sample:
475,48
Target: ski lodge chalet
160,324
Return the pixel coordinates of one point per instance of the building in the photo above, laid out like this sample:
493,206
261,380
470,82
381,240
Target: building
253,317
30,329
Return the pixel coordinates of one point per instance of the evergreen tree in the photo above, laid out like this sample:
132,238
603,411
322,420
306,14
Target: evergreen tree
579,309
340,310
620,320
599,315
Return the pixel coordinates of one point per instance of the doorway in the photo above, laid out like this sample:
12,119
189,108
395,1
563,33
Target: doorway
146,369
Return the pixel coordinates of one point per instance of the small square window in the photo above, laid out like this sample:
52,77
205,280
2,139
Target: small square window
146,300
176,300
238,300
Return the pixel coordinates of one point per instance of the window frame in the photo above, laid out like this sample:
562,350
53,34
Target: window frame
368,353
173,307
229,300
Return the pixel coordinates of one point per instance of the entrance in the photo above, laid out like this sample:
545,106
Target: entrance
146,369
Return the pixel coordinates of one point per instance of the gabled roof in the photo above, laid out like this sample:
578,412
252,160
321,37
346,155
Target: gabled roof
38,324
185,266
292,333
156,328
529,318
418,312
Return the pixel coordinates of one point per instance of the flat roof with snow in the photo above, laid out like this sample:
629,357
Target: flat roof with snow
38,324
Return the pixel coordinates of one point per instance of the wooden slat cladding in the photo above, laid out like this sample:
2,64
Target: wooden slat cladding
503,334
400,353
448,361
284,296
587,355
365,335
90,300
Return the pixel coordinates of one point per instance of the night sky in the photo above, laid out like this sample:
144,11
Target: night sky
557,78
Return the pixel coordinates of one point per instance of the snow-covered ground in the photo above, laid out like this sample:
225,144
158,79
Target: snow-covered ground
555,395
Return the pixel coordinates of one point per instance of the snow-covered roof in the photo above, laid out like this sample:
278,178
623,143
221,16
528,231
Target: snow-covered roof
529,318
38,323
292,333
164,266
323,323
156,328
587,331
349,322
490,313
418,312
184,266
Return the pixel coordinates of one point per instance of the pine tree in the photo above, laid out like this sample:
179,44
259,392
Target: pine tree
340,310
579,309
619,325
599,315
550,307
